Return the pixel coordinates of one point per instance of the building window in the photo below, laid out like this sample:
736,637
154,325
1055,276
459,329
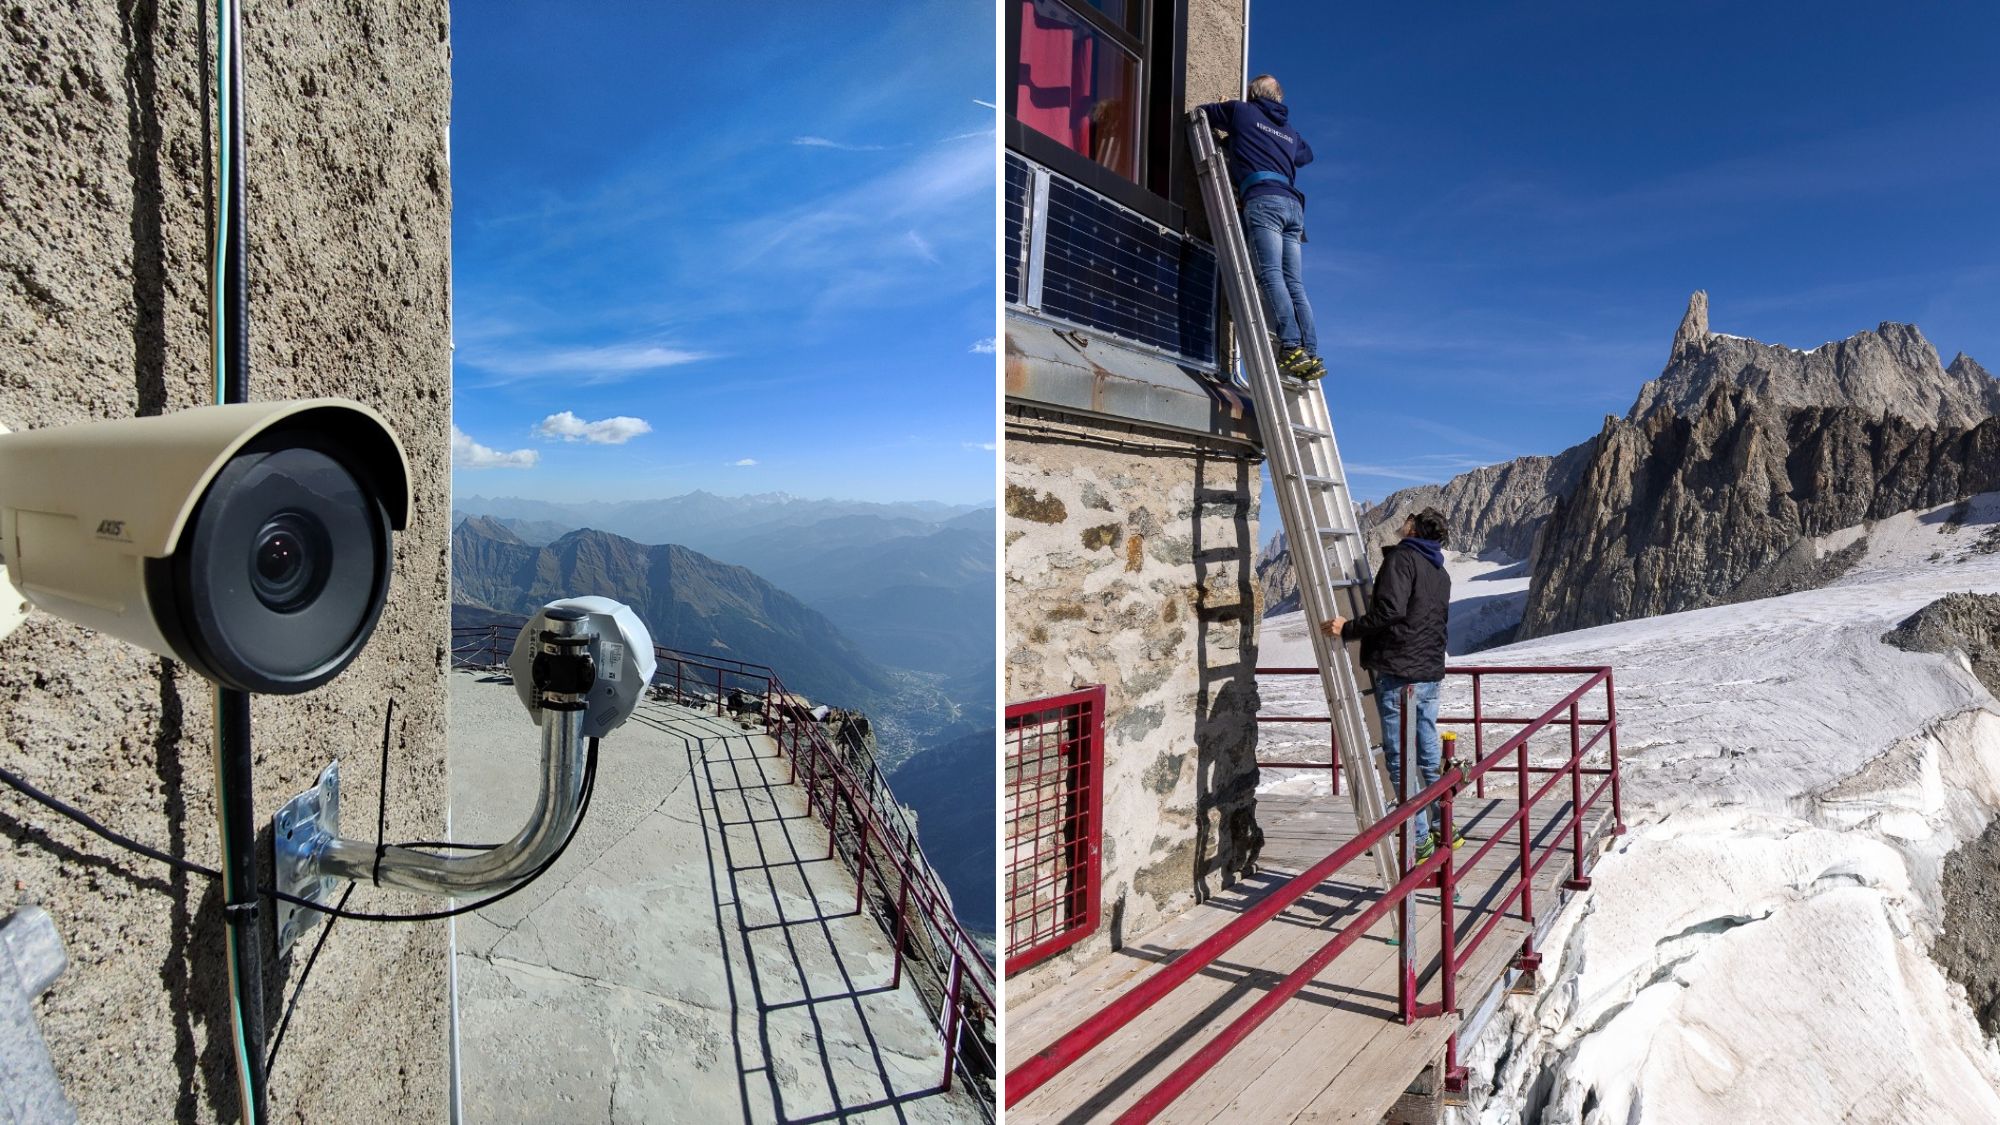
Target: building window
1078,78
1054,814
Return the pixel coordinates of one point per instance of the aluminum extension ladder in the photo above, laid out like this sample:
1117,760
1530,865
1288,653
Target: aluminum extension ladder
1329,550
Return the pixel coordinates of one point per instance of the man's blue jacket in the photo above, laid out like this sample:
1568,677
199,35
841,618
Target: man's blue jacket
1261,142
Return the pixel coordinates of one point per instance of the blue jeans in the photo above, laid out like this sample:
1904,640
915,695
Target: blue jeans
1430,749
1275,225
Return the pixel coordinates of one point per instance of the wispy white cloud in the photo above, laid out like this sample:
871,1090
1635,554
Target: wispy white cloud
985,445
566,426
922,246
983,347
744,463
843,146
469,454
1429,469
604,363
987,104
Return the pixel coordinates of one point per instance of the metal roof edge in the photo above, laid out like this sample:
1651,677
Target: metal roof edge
1083,373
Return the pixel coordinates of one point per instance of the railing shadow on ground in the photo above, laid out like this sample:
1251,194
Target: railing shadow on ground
869,834
777,906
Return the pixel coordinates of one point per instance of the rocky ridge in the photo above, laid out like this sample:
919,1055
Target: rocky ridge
1676,513
1889,372
1710,488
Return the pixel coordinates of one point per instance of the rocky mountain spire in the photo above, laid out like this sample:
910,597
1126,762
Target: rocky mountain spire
1694,326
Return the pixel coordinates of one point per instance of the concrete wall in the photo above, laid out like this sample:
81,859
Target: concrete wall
1129,563
103,313
1214,74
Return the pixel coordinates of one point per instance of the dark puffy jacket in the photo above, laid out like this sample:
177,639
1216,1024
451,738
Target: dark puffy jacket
1403,632
1260,140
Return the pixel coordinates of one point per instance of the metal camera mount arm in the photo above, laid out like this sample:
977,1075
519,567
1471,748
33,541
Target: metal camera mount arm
579,666
564,674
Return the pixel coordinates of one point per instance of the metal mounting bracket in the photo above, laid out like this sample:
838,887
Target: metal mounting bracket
303,826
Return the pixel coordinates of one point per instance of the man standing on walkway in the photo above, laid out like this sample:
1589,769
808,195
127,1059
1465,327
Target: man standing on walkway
1403,642
1265,155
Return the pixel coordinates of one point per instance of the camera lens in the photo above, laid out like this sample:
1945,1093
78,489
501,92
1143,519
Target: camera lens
283,569
288,569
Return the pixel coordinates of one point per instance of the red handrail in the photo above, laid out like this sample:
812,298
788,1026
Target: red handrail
1440,870
816,764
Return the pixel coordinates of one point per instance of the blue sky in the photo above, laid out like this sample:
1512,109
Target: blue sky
695,247
1511,203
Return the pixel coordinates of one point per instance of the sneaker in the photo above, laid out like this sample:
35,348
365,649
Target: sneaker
1457,839
1314,368
1294,361
1426,847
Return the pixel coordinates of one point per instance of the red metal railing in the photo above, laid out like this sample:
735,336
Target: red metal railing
1441,870
1054,779
865,826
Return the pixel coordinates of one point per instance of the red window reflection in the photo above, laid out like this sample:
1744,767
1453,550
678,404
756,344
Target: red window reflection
1074,84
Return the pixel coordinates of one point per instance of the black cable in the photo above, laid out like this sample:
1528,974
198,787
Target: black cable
382,797
312,959
57,805
27,790
589,786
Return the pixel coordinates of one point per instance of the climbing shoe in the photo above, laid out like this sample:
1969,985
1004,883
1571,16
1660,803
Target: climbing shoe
1294,362
1457,840
1313,368
1427,847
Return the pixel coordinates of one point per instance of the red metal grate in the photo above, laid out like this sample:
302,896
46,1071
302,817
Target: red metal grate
1055,830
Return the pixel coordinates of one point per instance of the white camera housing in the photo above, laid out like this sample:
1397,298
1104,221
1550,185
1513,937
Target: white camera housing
621,651
251,541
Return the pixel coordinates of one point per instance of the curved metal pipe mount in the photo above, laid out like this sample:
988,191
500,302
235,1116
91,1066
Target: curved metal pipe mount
312,857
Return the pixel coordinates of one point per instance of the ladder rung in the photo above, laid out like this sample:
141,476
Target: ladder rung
1344,584
1329,531
1301,428
1330,482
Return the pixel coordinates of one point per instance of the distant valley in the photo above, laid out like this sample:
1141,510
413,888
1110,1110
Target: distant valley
883,608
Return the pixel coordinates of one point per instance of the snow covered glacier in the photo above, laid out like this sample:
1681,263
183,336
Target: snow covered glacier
1756,947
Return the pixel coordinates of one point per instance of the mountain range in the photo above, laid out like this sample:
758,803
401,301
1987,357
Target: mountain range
688,600
1712,486
886,609
911,585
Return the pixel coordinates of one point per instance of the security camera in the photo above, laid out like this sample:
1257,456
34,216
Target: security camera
251,541
621,663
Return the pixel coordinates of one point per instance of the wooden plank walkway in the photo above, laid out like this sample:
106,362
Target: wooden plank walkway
1337,1051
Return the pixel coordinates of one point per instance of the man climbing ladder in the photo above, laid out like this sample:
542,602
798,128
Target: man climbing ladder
1307,479
1265,155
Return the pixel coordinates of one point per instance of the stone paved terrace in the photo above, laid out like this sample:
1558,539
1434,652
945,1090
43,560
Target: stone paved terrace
693,956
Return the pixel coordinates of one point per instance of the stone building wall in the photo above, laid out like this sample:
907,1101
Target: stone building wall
1129,558
104,158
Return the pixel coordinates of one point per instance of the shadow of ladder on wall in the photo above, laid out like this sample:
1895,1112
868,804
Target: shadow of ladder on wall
1324,535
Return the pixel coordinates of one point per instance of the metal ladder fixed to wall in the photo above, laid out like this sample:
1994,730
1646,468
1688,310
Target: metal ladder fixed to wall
1328,547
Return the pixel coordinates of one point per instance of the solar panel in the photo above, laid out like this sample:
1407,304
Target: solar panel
1105,267
1015,212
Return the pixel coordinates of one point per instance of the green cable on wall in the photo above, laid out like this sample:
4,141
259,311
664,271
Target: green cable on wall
234,793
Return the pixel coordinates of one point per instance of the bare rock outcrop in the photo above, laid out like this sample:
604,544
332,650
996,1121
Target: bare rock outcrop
1713,485
1966,623
1968,949
1679,512
1492,508
1891,371
1277,583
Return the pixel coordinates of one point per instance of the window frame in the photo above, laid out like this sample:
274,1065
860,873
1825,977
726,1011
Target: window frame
1134,47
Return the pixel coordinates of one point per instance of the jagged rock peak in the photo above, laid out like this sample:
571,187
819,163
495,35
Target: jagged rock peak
1965,367
1694,324
1889,371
